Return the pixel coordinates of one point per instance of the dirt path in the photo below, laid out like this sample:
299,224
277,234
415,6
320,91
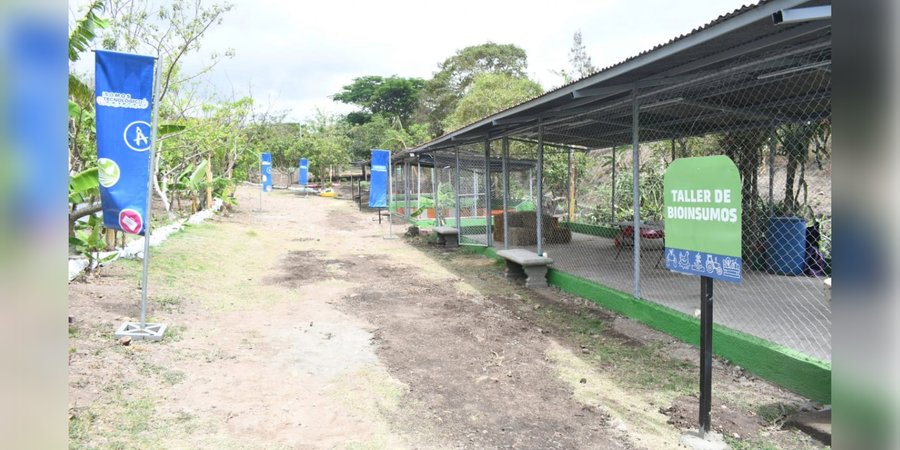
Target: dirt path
301,327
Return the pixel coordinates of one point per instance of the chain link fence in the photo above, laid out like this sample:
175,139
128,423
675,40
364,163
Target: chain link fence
768,112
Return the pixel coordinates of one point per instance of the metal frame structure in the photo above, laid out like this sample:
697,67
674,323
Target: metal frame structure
740,72
745,49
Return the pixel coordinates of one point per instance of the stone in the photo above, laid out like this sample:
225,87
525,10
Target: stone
710,441
125,340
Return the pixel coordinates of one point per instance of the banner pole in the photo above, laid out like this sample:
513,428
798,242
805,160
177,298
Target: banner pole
262,182
147,221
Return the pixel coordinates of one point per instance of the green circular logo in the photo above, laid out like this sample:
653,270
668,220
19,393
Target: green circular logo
108,172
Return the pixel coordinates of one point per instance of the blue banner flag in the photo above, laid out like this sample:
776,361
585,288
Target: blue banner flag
303,179
378,184
124,113
265,166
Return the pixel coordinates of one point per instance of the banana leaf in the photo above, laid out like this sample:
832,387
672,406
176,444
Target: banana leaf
83,185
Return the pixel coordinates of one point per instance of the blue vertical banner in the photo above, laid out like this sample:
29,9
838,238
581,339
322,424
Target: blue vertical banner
124,89
303,178
265,167
378,184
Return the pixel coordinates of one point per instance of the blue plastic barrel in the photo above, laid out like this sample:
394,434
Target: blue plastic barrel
786,249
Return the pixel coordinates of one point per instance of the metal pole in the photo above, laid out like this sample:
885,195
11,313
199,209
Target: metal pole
148,212
487,194
612,202
570,188
636,190
456,191
505,168
390,197
474,192
262,183
530,184
539,226
418,184
434,188
407,188
772,148
706,320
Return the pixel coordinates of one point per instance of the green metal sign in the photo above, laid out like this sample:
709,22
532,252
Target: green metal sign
703,218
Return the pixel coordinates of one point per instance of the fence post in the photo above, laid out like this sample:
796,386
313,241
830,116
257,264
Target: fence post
539,228
636,190
505,169
612,202
487,194
456,192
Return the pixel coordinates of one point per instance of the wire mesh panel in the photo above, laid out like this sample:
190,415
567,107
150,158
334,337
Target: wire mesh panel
770,122
520,230
770,113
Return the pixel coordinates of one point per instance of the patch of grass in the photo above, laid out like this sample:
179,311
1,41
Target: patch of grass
252,233
636,365
169,303
173,377
174,333
750,444
80,423
136,415
773,413
73,331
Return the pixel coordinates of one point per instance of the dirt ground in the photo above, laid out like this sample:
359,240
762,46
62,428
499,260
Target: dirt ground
300,326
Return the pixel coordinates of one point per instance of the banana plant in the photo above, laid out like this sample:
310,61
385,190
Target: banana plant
192,180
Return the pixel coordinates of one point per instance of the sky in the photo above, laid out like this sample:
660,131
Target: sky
293,55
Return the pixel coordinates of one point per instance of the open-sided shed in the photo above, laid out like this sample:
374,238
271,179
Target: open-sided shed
755,85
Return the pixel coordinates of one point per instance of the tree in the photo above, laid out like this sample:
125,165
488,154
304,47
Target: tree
448,86
488,94
580,64
168,31
393,97
578,57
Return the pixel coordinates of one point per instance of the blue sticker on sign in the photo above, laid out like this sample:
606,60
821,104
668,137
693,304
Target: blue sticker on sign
720,267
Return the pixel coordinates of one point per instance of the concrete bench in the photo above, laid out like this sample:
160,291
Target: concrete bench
446,236
521,263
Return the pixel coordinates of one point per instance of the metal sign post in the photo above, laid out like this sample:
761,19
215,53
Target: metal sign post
706,321
262,183
142,329
703,237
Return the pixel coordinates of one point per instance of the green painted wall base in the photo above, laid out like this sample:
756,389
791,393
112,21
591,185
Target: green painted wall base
787,368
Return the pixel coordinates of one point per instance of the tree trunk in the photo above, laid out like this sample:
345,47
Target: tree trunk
156,187
79,213
790,174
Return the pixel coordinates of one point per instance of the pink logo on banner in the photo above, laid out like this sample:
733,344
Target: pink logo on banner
130,221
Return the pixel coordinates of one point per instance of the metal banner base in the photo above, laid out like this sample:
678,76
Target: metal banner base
149,332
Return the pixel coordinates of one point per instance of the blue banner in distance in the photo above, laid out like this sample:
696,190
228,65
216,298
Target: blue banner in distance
303,178
124,90
378,183
265,166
